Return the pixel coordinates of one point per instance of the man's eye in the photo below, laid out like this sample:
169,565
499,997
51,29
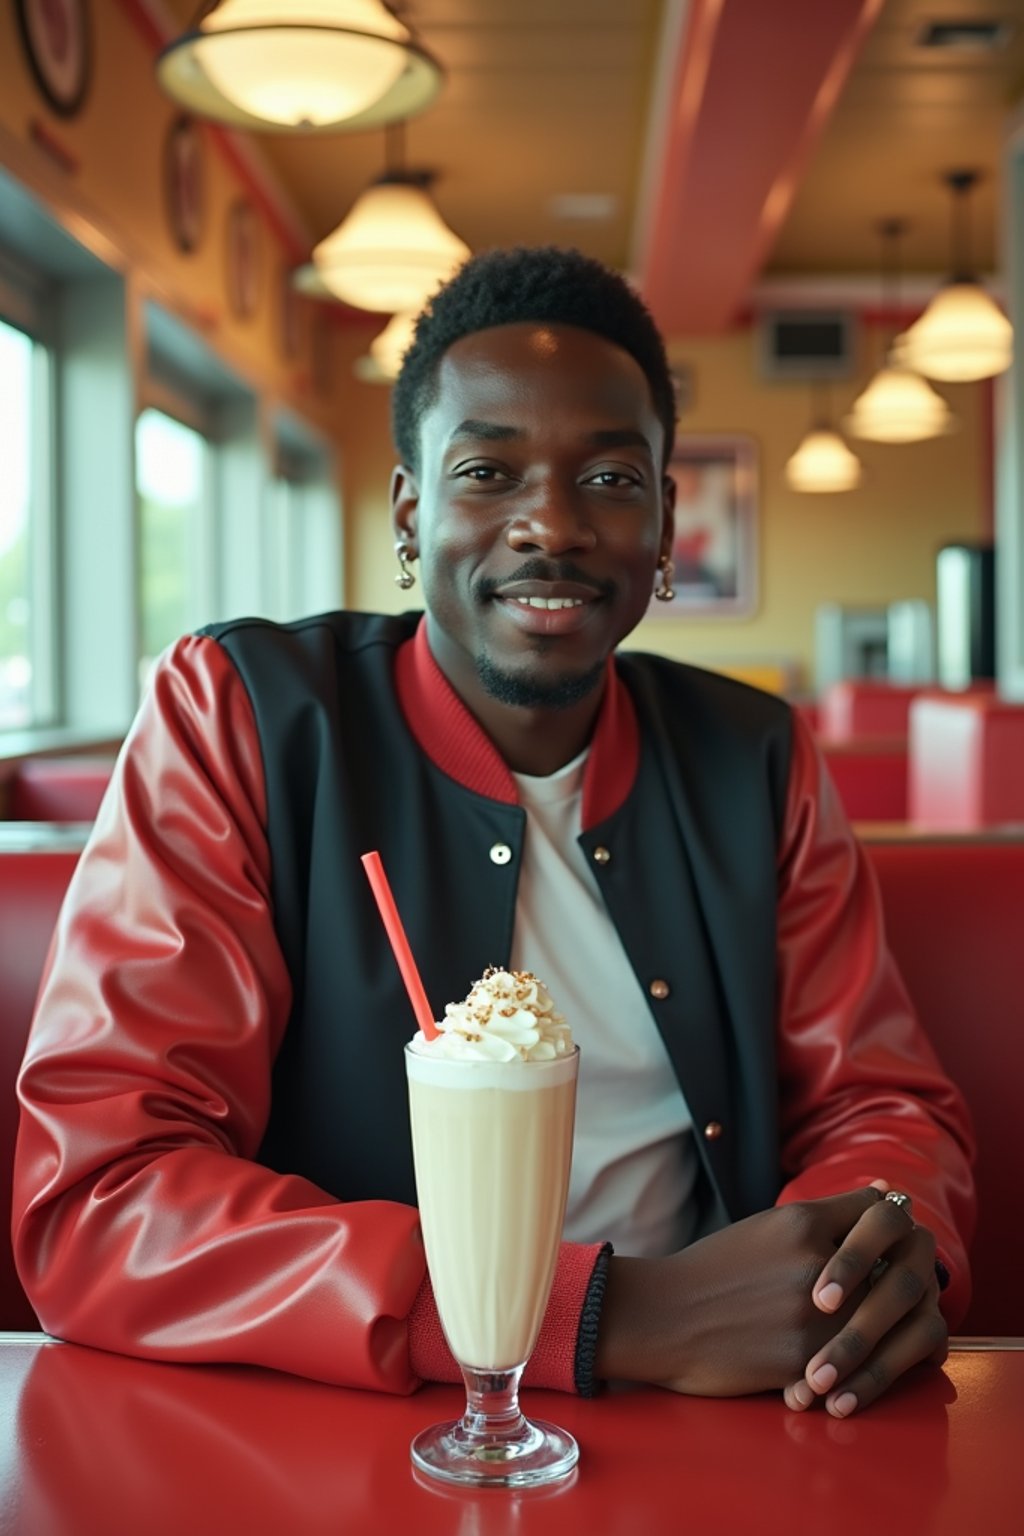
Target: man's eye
614,479
481,473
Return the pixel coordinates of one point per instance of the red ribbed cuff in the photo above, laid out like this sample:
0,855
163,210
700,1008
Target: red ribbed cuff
554,1359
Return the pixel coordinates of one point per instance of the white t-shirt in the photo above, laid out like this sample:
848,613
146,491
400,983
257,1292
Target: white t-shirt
634,1163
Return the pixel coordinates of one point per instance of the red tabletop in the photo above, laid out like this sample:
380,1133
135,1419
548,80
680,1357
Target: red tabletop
97,1445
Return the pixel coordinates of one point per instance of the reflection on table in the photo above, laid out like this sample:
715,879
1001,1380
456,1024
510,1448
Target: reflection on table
97,1445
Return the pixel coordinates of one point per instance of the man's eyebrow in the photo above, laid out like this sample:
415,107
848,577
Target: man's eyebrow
489,431
620,437
494,432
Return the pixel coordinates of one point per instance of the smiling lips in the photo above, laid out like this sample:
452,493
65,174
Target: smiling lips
548,607
550,602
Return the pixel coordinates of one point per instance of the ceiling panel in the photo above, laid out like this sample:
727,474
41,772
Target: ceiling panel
906,115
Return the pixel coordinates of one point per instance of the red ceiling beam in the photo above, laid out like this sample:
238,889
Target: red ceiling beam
754,85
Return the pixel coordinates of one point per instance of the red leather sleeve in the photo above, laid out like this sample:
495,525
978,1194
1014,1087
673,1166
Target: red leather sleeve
141,1223
862,1095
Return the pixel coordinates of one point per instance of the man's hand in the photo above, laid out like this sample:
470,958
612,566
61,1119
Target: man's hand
739,1311
897,1323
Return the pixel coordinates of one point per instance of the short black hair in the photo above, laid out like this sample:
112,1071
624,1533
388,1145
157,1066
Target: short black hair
505,287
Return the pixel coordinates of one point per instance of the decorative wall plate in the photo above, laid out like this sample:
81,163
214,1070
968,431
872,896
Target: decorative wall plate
184,183
56,37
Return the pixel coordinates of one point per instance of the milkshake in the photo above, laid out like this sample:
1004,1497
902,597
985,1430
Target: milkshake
492,1101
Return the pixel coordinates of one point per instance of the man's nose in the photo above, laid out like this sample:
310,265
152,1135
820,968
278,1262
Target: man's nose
555,520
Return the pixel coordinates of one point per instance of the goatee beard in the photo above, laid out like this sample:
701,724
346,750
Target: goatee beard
522,690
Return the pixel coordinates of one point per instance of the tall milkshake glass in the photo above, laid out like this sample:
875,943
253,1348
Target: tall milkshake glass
492,1143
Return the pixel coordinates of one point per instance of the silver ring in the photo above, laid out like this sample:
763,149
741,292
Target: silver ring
898,1198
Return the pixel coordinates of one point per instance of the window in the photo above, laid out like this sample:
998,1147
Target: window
67,391
302,527
137,502
174,554
25,607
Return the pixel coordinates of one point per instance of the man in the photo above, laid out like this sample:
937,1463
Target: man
214,1160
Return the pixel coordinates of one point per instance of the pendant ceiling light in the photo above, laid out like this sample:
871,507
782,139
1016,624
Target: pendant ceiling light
383,363
963,334
392,250
299,66
822,462
898,406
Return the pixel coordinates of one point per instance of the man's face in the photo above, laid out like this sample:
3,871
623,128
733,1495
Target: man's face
539,510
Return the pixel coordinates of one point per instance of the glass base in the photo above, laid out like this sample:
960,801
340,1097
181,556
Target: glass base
524,1455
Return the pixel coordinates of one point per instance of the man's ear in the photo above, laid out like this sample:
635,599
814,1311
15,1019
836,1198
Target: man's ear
668,514
405,503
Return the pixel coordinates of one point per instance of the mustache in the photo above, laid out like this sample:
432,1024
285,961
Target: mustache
537,569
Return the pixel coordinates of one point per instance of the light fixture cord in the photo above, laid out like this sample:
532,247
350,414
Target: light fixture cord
960,184
821,405
394,148
890,233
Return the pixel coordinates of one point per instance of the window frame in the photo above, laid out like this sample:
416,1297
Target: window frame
202,557
23,309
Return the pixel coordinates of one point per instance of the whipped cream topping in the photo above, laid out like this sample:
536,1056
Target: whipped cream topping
508,1016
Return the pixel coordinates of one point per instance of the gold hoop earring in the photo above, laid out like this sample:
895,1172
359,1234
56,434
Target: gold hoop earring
405,578
664,592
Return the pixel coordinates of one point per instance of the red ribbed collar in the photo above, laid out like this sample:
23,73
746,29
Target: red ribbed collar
452,738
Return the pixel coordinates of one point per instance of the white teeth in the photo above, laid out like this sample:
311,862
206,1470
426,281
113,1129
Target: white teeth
550,602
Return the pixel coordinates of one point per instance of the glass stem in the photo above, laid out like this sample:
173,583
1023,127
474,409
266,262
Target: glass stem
492,1403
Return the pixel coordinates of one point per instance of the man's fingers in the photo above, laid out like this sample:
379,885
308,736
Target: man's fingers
846,1210
882,1224
921,1336
798,1395
907,1284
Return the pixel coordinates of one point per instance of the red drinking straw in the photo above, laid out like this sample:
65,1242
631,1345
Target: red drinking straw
400,944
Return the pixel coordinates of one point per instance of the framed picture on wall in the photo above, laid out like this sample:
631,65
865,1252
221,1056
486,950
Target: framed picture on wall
714,551
55,37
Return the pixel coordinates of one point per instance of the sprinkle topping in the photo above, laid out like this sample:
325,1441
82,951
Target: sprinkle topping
507,1014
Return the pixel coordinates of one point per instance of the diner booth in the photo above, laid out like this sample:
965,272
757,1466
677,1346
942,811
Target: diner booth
194,426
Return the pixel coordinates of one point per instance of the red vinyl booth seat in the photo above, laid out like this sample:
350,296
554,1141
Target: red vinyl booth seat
954,913
33,880
58,788
966,762
862,709
871,778
858,707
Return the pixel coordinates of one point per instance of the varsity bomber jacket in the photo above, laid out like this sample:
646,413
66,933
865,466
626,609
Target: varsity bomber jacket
214,1160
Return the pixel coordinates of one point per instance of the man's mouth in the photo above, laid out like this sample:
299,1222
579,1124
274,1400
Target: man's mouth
548,594
548,608
550,582
547,598
549,602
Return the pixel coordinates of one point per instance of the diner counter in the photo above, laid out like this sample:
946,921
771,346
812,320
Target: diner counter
98,1445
